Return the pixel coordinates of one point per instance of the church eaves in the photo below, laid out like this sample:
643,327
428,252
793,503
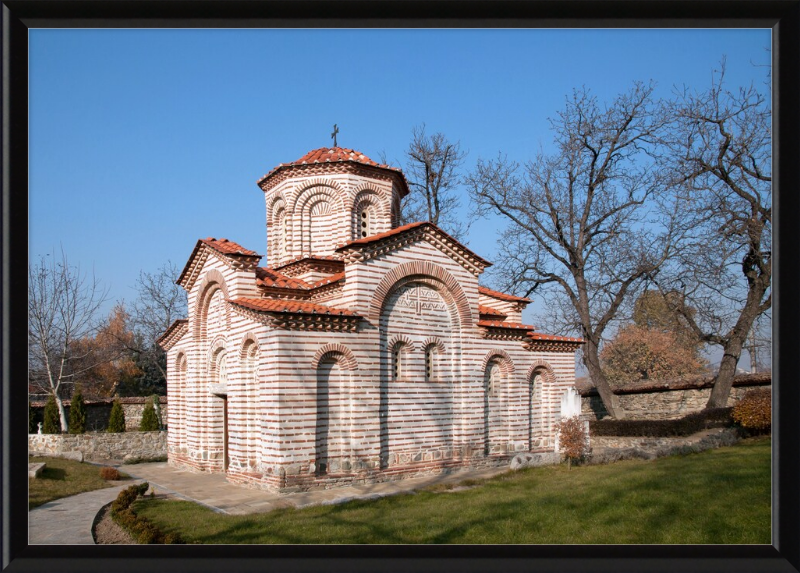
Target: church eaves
382,243
232,253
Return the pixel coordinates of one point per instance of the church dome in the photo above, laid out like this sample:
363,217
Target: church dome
334,156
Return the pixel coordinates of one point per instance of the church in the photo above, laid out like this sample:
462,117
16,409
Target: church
363,351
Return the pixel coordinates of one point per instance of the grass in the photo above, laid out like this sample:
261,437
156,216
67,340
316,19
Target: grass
714,497
63,478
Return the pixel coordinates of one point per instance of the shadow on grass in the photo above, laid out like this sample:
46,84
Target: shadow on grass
58,474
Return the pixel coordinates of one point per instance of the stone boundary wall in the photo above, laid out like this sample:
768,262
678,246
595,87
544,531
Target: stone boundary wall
98,411
667,400
101,446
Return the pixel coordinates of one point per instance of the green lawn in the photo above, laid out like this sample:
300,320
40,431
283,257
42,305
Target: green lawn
718,496
62,478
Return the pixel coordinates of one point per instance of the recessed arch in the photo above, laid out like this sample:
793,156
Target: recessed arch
422,269
348,359
213,281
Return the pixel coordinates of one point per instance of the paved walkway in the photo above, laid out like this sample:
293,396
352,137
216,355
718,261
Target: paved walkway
212,490
68,521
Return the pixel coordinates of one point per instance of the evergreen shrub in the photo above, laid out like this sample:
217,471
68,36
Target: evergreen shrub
52,422
77,413
116,420
149,421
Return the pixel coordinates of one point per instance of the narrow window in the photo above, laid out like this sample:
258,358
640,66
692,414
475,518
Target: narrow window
430,357
364,223
396,359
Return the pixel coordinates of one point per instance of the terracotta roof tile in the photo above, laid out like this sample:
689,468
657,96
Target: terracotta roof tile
334,278
483,309
289,306
503,324
553,338
333,155
228,247
271,278
501,295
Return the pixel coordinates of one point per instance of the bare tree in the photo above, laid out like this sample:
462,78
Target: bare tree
720,147
582,221
62,309
159,304
432,171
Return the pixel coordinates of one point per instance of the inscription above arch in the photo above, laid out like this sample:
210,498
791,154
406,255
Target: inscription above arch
424,269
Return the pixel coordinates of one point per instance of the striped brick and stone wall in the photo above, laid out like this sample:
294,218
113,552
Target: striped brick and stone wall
360,353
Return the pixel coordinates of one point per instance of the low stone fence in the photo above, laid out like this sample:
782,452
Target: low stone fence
667,400
101,445
98,412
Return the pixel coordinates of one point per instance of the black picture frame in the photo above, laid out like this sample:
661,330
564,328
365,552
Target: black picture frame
783,16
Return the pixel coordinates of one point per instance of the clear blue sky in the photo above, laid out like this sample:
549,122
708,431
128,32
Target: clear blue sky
143,141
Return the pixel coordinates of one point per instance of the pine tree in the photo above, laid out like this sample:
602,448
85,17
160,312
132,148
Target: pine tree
77,413
149,421
52,424
116,421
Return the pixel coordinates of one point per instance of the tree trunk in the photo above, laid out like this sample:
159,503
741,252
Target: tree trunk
732,350
610,400
62,413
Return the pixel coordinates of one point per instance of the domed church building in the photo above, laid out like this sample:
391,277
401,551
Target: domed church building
363,351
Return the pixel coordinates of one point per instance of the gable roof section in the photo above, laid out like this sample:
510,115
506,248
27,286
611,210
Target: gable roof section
382,243
270,278
489,311
173,334
335,157
501,295
233,252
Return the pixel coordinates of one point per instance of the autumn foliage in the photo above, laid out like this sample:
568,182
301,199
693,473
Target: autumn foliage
572,439
108,360
754,410
640,353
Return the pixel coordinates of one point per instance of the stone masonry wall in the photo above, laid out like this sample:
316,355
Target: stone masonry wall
660,405
101,446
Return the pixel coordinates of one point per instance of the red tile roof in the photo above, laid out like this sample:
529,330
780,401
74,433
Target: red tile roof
385,235
553,338
271,278
228,247
483,309
503,324
289,306
335,155
267,277
334,278
501,295
405,228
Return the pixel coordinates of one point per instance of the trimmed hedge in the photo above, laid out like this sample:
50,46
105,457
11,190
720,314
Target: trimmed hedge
141,528
686,426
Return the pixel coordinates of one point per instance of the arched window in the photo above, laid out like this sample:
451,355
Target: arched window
281,218
431,352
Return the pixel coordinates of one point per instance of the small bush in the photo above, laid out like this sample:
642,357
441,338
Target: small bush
77,413
116,420
108,473
52,421
754,410
149,421
572,439
142,529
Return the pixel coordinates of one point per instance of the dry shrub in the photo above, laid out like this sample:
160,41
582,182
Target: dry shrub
754,410
572,439
108,473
